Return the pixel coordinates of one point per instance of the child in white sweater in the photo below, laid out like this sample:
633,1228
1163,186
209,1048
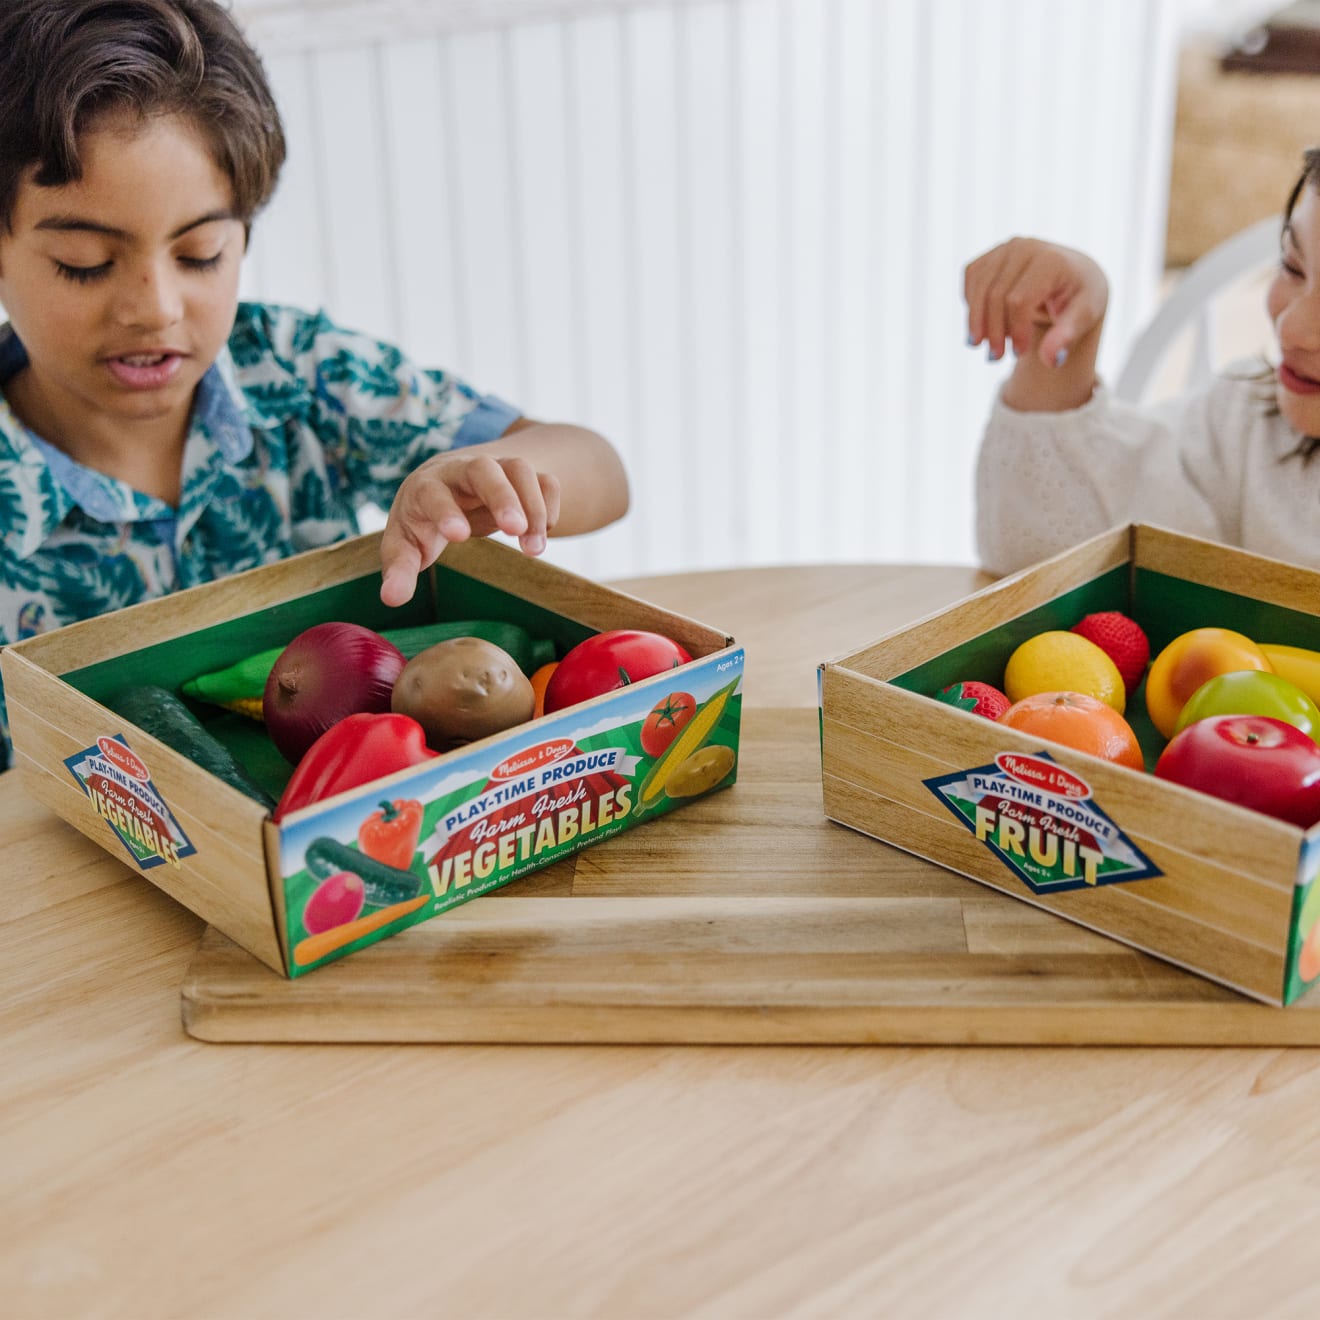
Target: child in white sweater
1062,459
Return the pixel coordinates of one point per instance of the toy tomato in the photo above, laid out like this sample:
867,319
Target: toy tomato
390,835
610,660
665,720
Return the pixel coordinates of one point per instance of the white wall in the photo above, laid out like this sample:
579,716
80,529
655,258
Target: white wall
727,233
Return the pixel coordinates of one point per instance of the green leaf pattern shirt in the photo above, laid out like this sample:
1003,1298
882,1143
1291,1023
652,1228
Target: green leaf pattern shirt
296,425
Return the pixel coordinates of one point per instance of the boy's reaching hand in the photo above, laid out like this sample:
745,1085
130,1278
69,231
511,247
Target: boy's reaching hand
469,492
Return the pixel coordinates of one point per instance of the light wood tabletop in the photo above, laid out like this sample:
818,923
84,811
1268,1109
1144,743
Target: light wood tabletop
145,1173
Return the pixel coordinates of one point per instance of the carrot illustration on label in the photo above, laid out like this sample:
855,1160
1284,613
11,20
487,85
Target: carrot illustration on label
316,947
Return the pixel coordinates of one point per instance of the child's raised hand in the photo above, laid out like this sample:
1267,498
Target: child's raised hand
456,495
1036,295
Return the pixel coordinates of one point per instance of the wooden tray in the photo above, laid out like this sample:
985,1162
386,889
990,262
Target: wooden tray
747,917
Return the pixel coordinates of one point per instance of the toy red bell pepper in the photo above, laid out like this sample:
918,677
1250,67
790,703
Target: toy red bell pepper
390,835
351,752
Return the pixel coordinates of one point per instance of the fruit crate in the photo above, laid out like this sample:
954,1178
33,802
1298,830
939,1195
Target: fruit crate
1215,888
491,811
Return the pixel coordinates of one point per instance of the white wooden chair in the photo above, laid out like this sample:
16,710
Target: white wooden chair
1236,264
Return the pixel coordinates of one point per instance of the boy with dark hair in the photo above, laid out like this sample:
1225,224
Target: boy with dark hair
154,431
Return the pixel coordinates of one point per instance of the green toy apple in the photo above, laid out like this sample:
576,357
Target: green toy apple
1252,692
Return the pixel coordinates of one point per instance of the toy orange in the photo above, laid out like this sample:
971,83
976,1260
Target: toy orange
538,680
1079,721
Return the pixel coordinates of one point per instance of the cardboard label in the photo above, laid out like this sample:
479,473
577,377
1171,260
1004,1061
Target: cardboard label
372,863
119,785
1040,820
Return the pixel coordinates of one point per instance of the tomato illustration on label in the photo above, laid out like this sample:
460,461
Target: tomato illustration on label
665,721
390,835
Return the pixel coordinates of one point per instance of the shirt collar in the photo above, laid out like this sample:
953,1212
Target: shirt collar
220,428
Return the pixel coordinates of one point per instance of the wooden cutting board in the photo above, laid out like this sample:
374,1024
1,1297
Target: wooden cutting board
745,917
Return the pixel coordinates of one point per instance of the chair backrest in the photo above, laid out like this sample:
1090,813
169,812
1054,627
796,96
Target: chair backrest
1191,306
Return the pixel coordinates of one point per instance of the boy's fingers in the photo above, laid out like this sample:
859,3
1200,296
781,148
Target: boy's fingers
413,539
400,565
523,478
490,484
533,543
550,493
427,501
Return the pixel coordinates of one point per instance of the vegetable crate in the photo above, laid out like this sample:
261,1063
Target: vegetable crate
476,818
1212,887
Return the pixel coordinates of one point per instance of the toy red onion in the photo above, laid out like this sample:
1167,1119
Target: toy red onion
325,674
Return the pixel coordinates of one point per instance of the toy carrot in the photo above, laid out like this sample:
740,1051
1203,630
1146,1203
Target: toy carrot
316,947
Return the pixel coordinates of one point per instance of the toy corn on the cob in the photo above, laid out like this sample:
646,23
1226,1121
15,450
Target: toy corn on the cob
238,687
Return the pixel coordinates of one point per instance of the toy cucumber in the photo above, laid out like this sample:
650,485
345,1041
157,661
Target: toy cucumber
382,885
164,716
240,686
529,653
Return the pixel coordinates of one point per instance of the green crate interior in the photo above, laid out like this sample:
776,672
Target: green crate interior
1164,606
172,663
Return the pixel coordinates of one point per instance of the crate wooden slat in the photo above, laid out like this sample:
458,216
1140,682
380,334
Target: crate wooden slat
224,881
746,917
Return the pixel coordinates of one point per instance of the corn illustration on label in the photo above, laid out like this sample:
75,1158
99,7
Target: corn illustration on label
373,863
1040,820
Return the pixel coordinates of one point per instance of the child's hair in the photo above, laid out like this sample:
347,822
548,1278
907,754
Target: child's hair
65,63
1310,174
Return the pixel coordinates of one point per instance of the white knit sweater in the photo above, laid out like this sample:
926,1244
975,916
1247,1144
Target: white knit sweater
1212,464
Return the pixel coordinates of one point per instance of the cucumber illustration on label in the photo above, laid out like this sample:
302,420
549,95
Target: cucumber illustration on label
382,885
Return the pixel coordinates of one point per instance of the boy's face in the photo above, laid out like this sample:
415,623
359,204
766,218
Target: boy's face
123,286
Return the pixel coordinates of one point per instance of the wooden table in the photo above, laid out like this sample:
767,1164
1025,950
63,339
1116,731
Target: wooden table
143,1173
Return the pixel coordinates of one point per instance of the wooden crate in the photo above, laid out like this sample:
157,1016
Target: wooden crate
1212,887
220,852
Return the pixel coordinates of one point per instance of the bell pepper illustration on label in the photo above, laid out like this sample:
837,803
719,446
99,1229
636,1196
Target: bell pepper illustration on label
1041,821
390,835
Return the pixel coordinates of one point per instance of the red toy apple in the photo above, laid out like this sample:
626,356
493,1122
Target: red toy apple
1255,761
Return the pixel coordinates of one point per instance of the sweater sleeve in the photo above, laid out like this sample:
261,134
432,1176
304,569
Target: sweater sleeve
1046,481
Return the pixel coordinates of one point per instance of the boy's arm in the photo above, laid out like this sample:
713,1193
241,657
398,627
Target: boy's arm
535,480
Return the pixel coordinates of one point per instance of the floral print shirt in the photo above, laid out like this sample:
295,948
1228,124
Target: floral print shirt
296,425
